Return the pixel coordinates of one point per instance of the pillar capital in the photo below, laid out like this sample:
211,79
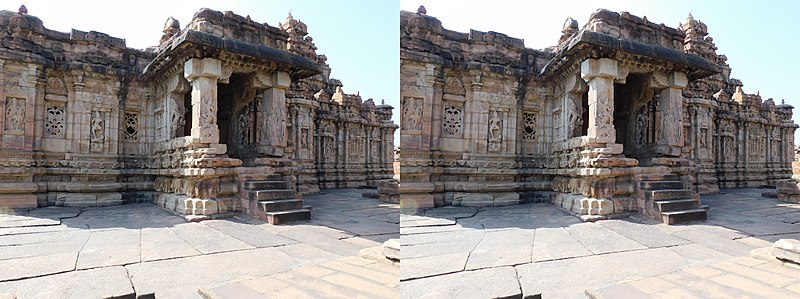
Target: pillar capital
205,67
603,67
678,80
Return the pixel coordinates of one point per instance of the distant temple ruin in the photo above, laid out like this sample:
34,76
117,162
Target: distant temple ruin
225,115
623,115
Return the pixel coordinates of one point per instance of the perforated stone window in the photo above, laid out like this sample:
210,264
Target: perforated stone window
453,117
54,121
131,126
529,126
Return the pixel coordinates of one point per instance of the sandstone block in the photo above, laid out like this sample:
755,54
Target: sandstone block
787,249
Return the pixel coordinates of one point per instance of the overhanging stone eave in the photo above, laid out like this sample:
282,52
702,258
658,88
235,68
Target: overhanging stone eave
299,67
696,66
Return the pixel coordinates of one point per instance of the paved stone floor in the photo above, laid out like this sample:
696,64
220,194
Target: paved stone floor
141,249
526,250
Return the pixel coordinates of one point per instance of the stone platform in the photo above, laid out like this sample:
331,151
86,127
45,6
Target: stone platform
140,249
539,250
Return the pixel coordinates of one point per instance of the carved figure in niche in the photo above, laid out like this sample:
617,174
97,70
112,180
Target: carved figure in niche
176,118
575,119
329,151
15,114
703,136
304,138
97,127
641,126
412,114
242,123
495,126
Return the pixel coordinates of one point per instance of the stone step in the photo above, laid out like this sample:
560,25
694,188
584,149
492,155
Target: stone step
288,216
281,205
661,185
676,205
272,194
683,216
667,194
659,177
273,177
266,185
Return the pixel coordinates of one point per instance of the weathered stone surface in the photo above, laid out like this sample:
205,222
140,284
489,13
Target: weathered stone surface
787,249
110,248
391,249
107,282
182,277
486,283
208,240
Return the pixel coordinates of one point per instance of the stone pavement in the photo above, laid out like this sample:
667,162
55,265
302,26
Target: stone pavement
140,249
538,249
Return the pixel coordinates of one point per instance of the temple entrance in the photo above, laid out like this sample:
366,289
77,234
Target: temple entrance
634,115
237,117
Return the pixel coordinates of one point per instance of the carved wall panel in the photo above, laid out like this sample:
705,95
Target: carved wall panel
411,117
15,114
495,131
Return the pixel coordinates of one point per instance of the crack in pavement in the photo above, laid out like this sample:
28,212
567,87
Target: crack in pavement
483,228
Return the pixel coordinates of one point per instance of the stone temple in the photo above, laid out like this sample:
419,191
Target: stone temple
225,115
622,115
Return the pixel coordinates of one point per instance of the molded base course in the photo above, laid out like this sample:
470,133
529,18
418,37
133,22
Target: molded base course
18,201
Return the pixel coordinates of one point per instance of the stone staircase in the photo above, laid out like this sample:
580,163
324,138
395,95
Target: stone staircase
277,201
667,199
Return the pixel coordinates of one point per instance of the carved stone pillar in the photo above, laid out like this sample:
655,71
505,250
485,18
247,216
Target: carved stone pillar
274,141
670,107
600,75
203,74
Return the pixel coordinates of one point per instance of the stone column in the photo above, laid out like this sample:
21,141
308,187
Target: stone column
274,106
600,75
670,108
203,74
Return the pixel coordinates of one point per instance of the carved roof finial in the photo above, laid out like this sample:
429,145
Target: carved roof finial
569,23
23,10
783,101
421,10
171,23
383,101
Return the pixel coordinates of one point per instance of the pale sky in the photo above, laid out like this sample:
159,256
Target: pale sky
360,37
758,37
